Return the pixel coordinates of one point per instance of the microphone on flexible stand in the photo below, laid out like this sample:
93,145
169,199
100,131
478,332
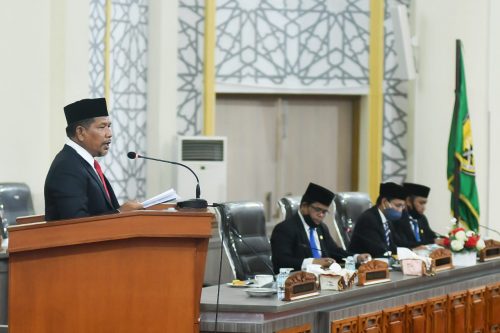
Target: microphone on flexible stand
191,203
235,232
489,229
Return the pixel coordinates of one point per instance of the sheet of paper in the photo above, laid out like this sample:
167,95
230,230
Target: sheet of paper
168,195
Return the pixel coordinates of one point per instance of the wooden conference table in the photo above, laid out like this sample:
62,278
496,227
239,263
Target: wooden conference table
454,300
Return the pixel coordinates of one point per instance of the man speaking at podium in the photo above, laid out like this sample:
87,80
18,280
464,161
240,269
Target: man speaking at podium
75,185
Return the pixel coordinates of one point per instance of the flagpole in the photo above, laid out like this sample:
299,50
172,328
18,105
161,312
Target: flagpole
456,178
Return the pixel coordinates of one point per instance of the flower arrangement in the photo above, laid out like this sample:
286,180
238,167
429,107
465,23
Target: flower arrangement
459,240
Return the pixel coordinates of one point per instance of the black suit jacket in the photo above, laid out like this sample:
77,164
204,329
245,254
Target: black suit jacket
369,236
73,189
404,236
290,244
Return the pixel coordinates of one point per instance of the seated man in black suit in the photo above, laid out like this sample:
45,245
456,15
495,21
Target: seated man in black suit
75,185
413,229
373,230
303,238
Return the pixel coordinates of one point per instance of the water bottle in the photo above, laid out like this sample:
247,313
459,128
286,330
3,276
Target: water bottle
280,281
350,265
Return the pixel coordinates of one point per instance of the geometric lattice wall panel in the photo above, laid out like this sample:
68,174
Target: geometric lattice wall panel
394,146
190,67
294,47
97,27
302,46
127,102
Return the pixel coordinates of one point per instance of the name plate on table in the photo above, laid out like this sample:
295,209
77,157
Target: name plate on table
300,285
491,250
442,259
374,271
417,267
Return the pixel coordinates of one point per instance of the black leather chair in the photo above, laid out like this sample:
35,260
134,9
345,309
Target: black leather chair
288,206
349,206
242,227
16,201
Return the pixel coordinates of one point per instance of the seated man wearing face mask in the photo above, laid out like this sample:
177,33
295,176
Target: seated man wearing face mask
373,232
413,229
304,239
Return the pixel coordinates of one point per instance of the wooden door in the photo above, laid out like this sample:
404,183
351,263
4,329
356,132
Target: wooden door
477,310
306,328
348,325
415,317
457,315
437,314
493,307
394,319
370,323
277,145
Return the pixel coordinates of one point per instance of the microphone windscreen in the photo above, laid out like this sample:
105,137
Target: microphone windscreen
132,155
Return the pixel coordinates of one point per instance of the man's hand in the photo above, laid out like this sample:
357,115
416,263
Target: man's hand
364,257
439,241
130,205
324,262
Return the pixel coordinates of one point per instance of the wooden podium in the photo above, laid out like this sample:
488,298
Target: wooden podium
138,271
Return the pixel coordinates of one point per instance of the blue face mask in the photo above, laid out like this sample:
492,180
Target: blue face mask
392,214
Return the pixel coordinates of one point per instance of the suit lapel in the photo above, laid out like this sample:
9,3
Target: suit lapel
381,228
303,237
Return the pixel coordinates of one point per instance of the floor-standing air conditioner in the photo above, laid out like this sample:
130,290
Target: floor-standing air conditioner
206,156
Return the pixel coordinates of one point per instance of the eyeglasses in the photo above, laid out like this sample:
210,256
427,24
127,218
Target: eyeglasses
398,205
319,210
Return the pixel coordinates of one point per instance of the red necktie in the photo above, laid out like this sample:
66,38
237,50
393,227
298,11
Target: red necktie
101,175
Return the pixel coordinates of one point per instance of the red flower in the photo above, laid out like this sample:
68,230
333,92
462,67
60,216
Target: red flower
454,231
446,242
471,242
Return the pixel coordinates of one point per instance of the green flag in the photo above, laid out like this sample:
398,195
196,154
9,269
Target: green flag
461,164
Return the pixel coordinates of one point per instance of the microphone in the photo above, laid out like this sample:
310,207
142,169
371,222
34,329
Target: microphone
235,232
191,203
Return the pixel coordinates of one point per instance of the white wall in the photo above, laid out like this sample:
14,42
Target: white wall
437,25
162,94
493,121
41,66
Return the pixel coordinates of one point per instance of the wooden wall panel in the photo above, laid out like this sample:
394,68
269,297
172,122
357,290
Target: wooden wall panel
393,319
493,308
437,314
348,325
415,317
475,310
476,303
457,315
370,323
306,328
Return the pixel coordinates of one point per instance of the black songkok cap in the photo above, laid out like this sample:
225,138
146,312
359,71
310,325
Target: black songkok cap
85,109
417,189
392,190
316,193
